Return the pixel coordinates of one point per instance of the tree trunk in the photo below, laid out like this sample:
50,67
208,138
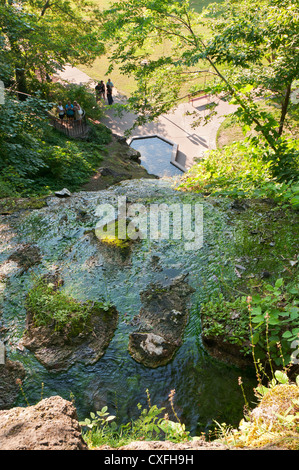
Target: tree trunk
21,84
284,108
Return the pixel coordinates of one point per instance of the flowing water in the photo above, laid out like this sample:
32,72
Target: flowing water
206,390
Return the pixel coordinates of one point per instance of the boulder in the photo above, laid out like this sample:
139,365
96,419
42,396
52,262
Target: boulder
57,351
60,349
11,372
63,193
51,424
133,155
162,320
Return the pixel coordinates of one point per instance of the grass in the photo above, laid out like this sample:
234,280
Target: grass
229,131
48,306
125,84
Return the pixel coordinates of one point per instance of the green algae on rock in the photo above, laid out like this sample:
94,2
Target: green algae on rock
61,331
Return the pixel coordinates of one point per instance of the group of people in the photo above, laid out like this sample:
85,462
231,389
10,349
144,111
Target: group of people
70,111
75,112
103,90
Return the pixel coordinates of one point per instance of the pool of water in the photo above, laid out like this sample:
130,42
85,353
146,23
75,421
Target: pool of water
206,390
155,156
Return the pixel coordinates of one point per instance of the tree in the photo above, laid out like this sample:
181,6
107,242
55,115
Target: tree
251,51
22,126
260,40
41,36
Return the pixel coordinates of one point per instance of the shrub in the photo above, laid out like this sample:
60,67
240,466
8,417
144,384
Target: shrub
80,93
267,321
241,170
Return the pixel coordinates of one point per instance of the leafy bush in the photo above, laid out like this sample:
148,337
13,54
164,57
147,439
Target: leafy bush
21,126
266,321
150,425
242,170
275,321
80,93
35,158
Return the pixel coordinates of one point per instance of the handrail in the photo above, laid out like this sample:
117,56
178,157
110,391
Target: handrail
70,127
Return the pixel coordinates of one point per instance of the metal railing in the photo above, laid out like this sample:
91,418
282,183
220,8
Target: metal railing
70,127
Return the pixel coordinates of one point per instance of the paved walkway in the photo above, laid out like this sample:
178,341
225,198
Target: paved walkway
175,126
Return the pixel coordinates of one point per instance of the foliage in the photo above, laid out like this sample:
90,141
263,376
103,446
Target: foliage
219,319
241,170
274,320
49,306
24,27
251,52
100,419
268,323
150,425
80,93
274,422
21,127
36,159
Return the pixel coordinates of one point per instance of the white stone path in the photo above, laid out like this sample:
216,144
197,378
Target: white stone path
175,126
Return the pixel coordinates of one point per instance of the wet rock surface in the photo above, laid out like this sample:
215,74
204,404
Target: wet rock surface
10,373
26,256
162,320
57,350
226,352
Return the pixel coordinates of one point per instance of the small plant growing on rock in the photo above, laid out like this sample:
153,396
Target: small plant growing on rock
48,306
98,419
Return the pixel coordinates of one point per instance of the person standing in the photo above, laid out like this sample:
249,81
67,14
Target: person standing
69,109
78,111
109,83
60,110
109,93
100,90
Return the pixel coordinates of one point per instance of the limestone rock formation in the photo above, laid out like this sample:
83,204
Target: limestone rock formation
162,321
57,351
52,424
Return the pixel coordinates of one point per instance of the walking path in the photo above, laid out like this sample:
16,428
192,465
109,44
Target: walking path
175,126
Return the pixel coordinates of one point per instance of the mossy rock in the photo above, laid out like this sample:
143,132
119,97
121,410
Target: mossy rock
84,339
12,204
26,256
